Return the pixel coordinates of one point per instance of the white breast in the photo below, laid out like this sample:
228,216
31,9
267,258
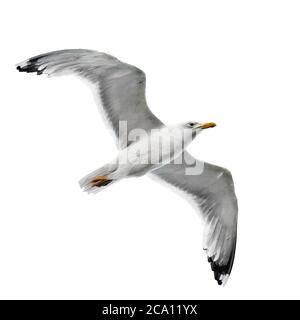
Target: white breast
158,147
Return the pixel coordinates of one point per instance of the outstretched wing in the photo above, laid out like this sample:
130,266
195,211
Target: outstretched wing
212,191
120,86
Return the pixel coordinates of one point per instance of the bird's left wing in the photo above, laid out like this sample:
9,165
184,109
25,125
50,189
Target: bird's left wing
120,86
212,191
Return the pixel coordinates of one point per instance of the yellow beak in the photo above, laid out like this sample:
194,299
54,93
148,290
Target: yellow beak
207,125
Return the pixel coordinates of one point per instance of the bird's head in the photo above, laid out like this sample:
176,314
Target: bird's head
189,130
197,127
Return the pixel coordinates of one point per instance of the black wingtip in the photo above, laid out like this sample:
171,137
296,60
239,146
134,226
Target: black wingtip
221,272
30,67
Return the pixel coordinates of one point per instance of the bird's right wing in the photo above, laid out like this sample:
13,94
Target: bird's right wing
120,86
212,191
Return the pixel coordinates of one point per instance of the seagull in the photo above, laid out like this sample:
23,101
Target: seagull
120,92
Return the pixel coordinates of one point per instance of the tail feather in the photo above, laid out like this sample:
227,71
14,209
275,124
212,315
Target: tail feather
98,179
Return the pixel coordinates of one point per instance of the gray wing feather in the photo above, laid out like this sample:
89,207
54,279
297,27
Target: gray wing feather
120,86
212,191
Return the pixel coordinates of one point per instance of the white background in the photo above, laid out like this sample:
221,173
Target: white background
233,62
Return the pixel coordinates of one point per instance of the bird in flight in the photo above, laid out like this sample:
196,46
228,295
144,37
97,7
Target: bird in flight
147,146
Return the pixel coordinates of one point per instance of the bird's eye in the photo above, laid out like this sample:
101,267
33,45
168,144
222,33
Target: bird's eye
191,124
